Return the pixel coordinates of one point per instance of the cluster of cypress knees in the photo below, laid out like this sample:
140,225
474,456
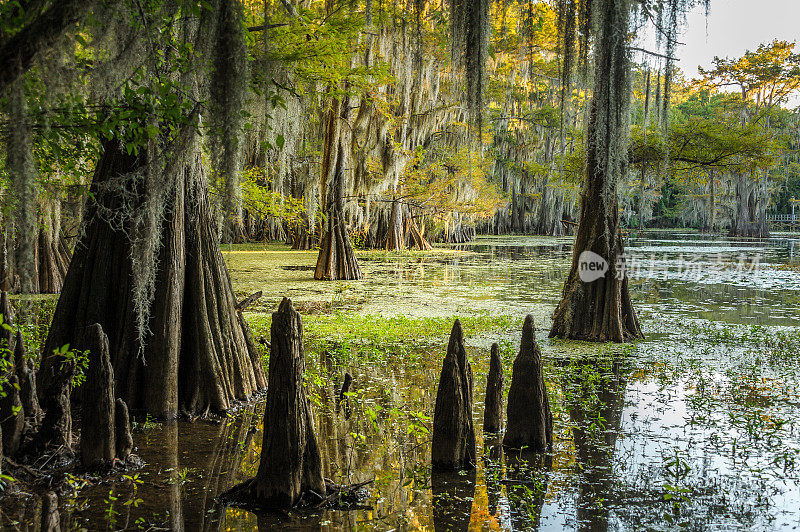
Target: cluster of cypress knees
529,423
290,468
34,423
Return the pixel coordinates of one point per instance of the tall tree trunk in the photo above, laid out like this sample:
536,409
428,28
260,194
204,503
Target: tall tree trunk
195,357
601,310
337,260
396,237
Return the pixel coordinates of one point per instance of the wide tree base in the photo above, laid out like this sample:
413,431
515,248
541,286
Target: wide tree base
337,260
197,356
600,311
335,497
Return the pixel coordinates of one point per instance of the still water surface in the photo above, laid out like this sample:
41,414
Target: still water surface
697,427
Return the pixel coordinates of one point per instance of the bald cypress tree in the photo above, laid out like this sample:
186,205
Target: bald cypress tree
148,267
601,310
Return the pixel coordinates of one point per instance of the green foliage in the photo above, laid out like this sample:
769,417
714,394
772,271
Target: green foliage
79,359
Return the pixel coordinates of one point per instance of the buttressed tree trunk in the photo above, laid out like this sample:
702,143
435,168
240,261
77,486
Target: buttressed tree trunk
337,260
601,309
291,463
416,235
195,357
453,445
529,421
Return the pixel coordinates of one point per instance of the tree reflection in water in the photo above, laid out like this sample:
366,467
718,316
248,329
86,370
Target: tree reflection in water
452,499
594,392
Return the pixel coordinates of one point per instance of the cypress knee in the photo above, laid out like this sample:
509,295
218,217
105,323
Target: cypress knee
27,381
529,422
6,335
12,415
51,521
291,464
56,429
493,410
122,430
98,444
453,445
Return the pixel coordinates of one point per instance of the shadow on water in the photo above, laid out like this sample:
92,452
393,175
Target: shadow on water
594,393
526,487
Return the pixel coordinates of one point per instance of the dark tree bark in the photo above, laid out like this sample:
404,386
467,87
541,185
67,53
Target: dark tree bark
529,421
453,445
337,260
98,443
493,409
193,361
601,310
291,464
26,377
56,429
122,431
12,415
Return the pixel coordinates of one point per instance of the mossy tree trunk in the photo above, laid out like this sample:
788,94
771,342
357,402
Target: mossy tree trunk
749,219
601,310
396,236
337,260
195,358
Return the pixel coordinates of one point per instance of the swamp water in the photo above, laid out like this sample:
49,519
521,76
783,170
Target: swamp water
697,427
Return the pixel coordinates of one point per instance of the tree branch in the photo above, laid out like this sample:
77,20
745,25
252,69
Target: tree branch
18,53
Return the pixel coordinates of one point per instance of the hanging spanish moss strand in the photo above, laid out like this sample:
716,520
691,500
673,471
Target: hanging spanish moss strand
585,30
22,170
228,94
469,26
672,37
646,109
658,105
567,15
